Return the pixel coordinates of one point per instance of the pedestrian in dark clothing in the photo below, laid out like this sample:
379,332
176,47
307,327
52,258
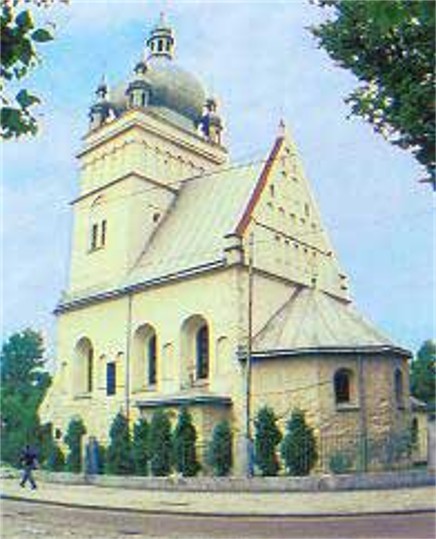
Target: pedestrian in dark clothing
29,462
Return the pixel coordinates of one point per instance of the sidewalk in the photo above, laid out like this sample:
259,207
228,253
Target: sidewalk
227,503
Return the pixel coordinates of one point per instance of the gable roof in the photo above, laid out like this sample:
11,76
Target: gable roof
192,234
311,320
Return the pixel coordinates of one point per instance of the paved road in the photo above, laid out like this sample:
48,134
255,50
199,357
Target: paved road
24,520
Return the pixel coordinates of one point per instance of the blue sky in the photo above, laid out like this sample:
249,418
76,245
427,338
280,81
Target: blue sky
263,64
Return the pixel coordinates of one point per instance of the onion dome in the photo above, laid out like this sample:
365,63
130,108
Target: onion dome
100,110
211,124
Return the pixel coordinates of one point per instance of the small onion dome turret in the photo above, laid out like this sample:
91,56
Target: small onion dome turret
100,110
138,90
211,123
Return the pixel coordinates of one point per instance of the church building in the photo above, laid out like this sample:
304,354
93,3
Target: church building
195,281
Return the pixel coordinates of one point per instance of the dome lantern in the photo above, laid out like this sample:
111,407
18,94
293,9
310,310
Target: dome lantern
161,41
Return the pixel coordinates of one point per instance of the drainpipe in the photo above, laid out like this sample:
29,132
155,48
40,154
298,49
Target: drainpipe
363,434
248,365
127,363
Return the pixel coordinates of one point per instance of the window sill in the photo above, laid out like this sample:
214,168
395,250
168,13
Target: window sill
95,249
145,389
347,407
82,396
200,382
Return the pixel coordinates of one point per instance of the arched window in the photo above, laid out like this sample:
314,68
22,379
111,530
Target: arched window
202,353
144,363
84,366
399,387
97,224
342,386
195,350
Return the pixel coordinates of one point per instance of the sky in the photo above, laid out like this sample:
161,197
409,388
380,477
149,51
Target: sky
262,63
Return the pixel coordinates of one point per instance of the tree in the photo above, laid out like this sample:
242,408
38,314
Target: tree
220,455
119,459
389,46
298,448
160,444
20,38
267,437
184,451
73,438
24,383
423,373
140,446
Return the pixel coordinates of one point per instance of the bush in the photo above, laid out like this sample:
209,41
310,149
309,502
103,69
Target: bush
140,447
95,457
220,455
184,452
73,438
340,463
56,459
160,444
267,437
298,448
119,459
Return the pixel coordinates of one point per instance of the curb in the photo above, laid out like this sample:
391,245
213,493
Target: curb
209,514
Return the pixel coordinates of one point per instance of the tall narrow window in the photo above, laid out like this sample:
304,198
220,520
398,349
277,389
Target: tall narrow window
94,236
202,345
103,233
399,388
111,378
342,386
90,370
152,372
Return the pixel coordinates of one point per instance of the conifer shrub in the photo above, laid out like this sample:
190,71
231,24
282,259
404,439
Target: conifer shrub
56,459
267,437
73,438
119,460
298,449
184,450
220,452
141,446
160,444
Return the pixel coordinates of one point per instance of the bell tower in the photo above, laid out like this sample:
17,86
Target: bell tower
144,141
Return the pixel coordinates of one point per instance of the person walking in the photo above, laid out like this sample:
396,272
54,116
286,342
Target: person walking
29,462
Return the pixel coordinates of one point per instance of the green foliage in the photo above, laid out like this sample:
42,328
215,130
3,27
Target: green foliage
73,438
220,455
298,448
389,46
119,458
267,437
56,459
184,452
140,446
24,383
160,444
423,373
19,55
340,463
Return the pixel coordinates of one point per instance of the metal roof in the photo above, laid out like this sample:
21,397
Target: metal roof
313,320
192,232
